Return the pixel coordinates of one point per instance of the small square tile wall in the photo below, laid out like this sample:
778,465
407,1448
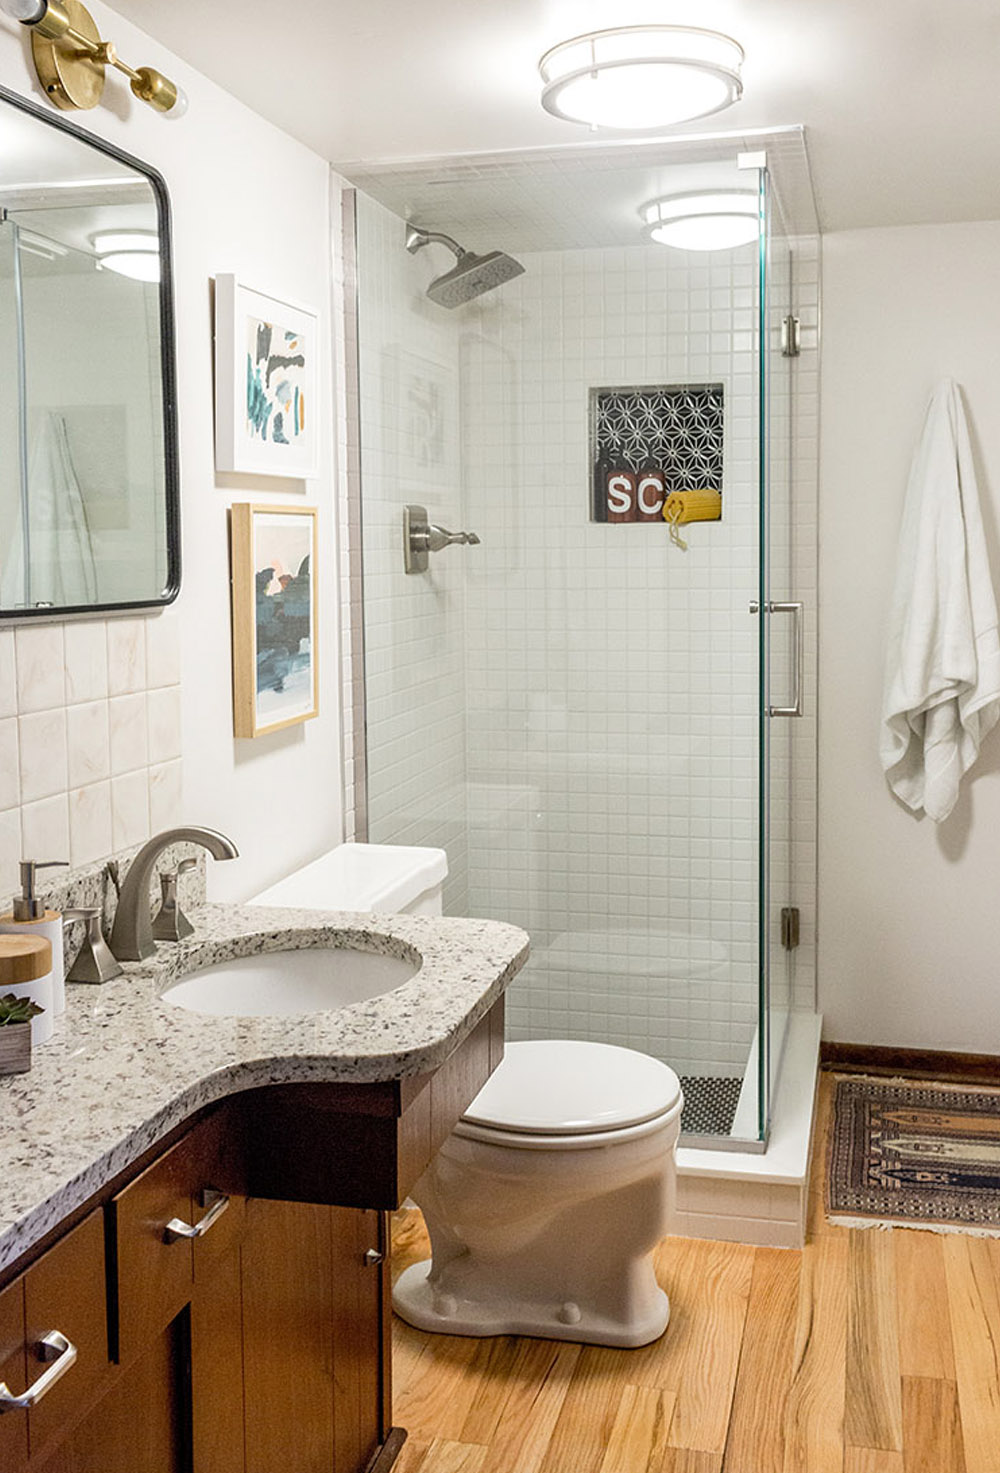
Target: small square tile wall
592,735
90,738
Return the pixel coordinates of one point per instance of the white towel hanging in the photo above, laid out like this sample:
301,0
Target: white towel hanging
942,677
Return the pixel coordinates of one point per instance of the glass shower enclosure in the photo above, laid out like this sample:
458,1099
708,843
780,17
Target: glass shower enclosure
590,709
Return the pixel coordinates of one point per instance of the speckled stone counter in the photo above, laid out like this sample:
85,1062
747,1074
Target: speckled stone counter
125,1067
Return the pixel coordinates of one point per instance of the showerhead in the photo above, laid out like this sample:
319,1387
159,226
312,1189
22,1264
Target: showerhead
470,276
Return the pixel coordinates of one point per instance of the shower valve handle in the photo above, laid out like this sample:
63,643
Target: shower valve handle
438,537
421,537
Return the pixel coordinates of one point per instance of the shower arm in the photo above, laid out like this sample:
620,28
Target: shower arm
417,239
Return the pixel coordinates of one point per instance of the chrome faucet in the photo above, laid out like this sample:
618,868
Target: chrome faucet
132,933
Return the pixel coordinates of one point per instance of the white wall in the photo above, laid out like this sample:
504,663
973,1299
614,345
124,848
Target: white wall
246,198
908,950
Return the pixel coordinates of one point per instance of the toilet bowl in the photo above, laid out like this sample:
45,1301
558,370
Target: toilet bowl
546,1201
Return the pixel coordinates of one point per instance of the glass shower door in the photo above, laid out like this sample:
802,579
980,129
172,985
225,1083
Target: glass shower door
780,647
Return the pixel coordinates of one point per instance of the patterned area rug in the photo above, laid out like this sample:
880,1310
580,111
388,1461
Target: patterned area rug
916,1153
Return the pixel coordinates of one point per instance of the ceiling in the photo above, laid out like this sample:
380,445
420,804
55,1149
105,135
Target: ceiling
899,98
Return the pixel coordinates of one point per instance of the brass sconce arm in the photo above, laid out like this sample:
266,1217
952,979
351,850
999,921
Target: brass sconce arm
71,57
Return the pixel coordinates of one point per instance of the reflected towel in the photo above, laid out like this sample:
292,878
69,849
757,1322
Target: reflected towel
942,677
62,557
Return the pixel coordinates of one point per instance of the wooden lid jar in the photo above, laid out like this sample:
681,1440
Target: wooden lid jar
26,970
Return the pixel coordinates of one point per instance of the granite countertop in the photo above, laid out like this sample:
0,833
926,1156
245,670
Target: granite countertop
125,1067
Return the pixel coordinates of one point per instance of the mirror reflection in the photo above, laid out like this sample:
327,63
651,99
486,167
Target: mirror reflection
87,465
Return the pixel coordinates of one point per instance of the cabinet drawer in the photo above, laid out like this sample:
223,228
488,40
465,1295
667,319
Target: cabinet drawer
61,1299
156,1258
13,1374
65,1291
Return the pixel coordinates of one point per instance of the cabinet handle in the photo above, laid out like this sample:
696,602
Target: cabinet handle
216,1202
372,1257
53,1347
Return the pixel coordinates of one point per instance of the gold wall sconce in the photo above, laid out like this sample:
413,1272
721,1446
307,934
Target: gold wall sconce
71,58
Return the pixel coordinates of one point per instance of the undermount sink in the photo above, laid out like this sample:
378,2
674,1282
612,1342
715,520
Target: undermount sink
277,984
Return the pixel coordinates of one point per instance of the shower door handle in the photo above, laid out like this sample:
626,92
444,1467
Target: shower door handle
795,609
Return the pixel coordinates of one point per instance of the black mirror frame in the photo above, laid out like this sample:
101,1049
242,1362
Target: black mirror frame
168,375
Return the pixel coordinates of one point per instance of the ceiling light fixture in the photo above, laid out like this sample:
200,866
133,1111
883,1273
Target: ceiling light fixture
641,78
134,253
70,58
713,220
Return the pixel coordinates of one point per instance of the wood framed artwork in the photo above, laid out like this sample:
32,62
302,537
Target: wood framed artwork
275,658
266,353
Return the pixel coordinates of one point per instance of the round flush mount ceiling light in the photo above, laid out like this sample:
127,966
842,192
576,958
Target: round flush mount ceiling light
715,220
134,253
640,78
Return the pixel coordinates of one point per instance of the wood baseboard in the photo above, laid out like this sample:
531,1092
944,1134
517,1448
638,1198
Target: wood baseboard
388,1452
864,1058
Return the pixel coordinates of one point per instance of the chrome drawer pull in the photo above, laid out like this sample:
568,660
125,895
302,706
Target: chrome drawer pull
372,1257
52,1347
216,1202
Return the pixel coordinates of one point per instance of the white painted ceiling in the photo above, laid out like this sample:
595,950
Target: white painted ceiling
900,98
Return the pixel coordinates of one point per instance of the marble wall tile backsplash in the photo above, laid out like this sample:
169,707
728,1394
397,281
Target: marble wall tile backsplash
90,739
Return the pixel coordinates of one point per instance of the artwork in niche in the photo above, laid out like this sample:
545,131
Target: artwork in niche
647,443
265,383
275,671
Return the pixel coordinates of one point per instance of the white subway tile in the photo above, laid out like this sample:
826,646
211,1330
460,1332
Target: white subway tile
88,745
164,714
42,746
126,656
86,661
166,795
45,829
40,656
90,823
129,809
128,733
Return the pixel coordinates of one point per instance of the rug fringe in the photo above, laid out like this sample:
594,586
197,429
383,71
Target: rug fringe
886,1225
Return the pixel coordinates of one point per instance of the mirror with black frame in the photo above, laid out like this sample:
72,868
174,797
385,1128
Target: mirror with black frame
88,457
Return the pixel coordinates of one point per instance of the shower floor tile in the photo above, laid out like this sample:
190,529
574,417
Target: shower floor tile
709,1103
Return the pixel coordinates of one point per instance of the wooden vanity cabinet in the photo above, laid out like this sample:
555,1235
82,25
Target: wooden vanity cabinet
242,1338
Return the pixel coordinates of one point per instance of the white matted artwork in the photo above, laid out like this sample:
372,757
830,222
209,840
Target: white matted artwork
265,383
275,669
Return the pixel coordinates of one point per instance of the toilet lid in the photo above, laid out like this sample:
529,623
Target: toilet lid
569,1087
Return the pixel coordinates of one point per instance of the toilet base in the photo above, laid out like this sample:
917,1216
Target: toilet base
415,1301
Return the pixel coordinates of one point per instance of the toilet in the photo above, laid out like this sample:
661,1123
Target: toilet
545,1203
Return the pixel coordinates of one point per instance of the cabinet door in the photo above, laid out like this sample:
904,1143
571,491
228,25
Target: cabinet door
65,1291
14,1375
140,1426
357,1271
288,1337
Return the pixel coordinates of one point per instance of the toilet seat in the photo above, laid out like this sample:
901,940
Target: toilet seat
570,1094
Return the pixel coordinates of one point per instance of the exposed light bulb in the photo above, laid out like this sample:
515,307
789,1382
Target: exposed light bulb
28,12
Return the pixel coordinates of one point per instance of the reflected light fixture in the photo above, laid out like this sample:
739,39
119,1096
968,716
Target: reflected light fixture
134,253
712,220
70,58
640,78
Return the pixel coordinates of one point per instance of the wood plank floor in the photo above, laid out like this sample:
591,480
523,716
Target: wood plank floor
868,1352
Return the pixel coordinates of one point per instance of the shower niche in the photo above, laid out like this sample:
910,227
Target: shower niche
650,443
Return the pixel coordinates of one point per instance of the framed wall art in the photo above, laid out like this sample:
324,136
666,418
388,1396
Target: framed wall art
275,669
266,354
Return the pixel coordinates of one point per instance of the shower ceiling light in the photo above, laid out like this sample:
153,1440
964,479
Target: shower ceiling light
716,220
134,253
641,78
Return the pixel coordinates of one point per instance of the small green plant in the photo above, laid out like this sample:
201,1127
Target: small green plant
17,1010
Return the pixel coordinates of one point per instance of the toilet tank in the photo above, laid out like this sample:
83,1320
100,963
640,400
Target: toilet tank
391,878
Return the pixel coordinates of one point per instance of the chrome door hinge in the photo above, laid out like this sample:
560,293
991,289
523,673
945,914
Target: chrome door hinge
789,927
791,336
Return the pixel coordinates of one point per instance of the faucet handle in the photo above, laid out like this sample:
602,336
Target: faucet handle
170,923
94,961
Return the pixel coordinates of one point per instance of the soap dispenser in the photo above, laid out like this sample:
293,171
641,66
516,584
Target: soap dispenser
30,917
